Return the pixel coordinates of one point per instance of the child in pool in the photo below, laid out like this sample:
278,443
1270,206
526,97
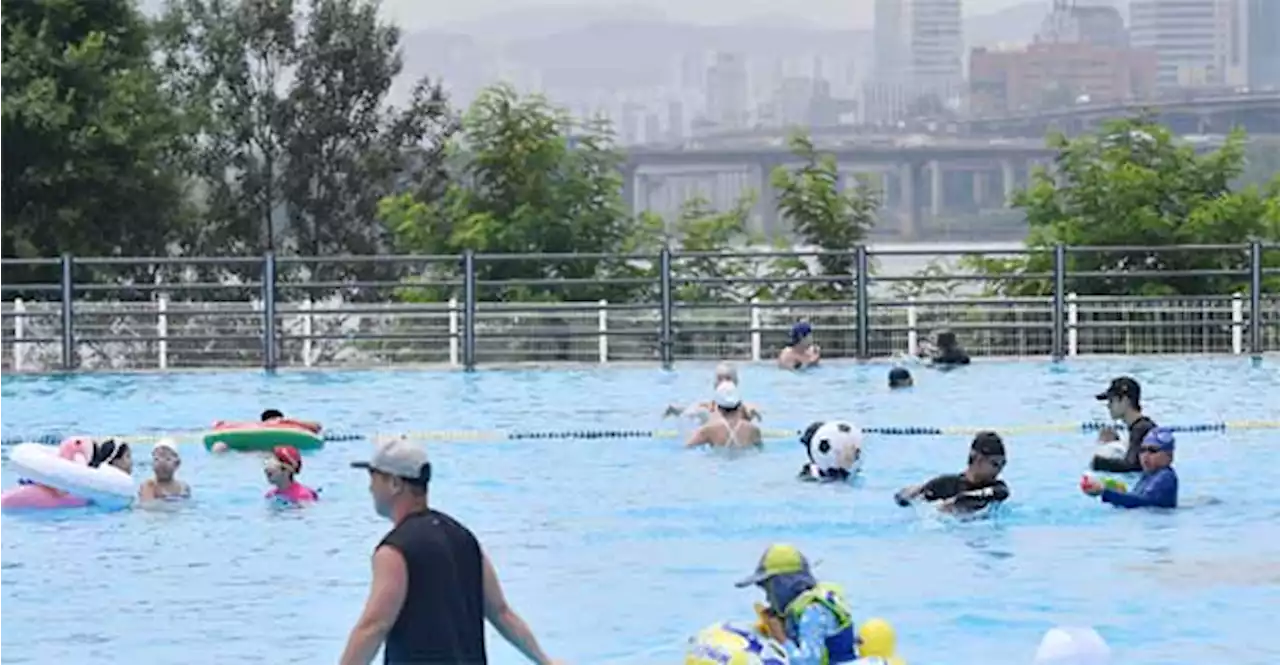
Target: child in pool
164,463
275,416
282,469
112,453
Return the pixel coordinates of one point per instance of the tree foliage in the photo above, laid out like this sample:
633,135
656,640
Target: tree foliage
529,180
293,143
89,135
1134,186
825,216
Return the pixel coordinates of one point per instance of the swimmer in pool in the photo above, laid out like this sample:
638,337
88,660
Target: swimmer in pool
802,352
899,377
112,453
835,452
1158,487
810,618
702,411
164,464
945,353
975,488
282,469
731,428
273,415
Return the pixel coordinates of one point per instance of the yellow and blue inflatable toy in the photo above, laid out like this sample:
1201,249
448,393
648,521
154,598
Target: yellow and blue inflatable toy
729,644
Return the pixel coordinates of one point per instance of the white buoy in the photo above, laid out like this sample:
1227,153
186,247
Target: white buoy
1072,646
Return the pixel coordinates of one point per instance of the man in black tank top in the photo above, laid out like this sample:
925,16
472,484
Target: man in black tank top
1124,402
433,587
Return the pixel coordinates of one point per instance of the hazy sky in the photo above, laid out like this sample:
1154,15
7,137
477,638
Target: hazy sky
420,14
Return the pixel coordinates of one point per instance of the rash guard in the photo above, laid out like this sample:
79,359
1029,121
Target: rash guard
1158,489
816,624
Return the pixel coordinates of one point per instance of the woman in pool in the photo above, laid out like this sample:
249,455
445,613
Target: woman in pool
702,411
282,469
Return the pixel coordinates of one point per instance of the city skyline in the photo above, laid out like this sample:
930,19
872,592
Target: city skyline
448,15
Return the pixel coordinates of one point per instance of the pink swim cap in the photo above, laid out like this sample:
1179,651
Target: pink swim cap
78,449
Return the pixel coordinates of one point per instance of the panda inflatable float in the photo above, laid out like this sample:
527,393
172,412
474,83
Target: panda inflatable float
835,451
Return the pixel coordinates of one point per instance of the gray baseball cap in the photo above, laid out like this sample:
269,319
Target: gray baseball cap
399,458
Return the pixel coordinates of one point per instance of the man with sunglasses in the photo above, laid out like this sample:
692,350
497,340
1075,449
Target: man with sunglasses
975,488
1158,487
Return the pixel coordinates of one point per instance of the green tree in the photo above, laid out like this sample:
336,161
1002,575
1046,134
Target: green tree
1133,185
296,144
825,216
531,181
708,236
89,135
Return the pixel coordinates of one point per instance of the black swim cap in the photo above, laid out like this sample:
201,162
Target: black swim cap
987,444
107,452
271,413
899,376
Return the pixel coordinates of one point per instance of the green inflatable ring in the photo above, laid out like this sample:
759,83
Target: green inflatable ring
249,439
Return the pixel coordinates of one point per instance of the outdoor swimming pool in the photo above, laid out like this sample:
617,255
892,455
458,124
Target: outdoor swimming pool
617,550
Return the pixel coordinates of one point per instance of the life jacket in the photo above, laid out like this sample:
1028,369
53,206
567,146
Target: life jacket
842,646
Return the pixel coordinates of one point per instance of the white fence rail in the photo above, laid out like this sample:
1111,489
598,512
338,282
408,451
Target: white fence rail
164,334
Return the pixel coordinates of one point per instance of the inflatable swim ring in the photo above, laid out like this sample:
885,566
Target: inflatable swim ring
106,486
38,497
1112,450
729,644
257,436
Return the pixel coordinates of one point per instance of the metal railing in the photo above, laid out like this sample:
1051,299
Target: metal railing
273,311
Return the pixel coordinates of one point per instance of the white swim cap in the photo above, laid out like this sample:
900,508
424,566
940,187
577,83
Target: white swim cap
727,371
167,444
727,395
1072,646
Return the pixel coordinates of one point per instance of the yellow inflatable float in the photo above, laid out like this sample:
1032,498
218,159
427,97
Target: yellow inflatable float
729,644
878,644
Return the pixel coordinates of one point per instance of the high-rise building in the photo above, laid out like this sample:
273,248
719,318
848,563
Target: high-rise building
1262,44
1197,42
1099,25
919,52
727,94
920,40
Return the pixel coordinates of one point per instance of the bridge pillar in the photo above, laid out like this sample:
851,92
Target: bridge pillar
909,208
937,192
1009,180
766,209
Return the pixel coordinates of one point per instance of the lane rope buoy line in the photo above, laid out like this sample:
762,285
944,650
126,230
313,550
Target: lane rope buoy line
480,435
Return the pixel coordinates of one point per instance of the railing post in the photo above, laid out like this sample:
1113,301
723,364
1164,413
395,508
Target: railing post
1073,318
913,320
664,288
863,308
162,331
602,318
469,310
453,332
269,311
308,329
755,330
19,332
1255,299
1059,299
68,312
1237,324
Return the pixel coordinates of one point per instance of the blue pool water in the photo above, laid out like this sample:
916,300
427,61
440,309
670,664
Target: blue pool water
617,550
